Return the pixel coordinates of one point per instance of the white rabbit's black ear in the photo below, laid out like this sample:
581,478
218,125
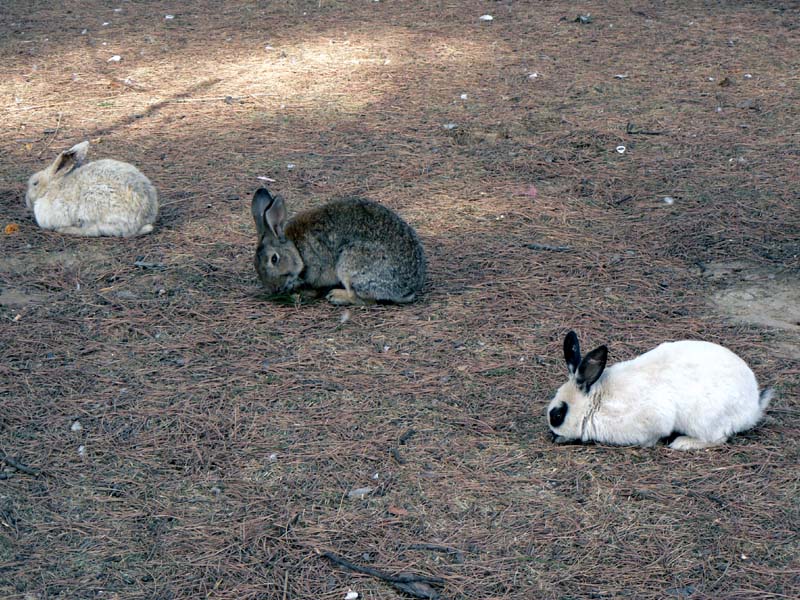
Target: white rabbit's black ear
70,159
269,213
591,368
572,352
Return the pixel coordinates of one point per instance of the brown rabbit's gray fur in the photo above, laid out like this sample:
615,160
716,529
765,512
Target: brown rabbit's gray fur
351,243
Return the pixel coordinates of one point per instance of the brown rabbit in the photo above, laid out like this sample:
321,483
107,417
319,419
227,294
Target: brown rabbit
361,249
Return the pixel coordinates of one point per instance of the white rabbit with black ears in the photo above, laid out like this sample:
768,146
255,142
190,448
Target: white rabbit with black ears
700,391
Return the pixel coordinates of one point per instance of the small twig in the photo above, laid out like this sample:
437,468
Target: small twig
549,248
631,130
407,436
459,555
624,199
19,466
285,585
416,585
55,133
395,452
147,265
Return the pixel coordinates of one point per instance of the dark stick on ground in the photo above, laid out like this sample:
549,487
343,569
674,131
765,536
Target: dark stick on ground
549,248
415,585
18,465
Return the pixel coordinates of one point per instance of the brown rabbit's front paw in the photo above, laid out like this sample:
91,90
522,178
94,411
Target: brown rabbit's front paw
341,297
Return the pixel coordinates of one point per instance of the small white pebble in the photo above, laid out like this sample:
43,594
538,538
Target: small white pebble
449,125
76,426
487,18
375,476
345,317
106,23
621,149
83,32
711,79
748,76
17,318
169,17
273,457
81,450
115,58
464,96
290,166
351,595
117,10
745,557
533,75
668,200
386,349
718,109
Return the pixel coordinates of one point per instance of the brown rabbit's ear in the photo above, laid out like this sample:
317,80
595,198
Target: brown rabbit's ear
276,217
268,212
70,159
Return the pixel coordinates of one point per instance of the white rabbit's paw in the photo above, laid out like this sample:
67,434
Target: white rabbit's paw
685,442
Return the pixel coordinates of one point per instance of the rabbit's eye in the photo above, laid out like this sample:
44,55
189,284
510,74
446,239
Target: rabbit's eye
557,415
274,259
35,183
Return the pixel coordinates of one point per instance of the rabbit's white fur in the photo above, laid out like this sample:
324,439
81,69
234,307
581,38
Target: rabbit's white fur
104,197
699,390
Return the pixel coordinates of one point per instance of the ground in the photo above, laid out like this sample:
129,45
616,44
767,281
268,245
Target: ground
188,437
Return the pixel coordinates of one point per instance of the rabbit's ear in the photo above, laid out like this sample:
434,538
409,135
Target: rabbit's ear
276,217
262,200
591,368
70,159
572,352
268,212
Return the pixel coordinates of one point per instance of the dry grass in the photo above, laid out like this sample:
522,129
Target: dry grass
221,433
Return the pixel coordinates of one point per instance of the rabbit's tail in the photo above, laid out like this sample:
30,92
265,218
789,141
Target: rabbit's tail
765,398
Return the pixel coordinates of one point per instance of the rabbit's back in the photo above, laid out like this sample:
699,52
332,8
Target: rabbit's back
707,385
112,195
324,233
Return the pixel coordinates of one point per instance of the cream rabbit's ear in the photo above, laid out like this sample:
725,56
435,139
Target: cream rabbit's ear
269,212
70,159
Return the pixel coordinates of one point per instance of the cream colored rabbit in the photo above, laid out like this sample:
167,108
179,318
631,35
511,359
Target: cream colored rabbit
104,197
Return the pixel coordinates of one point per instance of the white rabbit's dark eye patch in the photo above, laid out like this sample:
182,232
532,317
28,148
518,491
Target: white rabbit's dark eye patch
557,415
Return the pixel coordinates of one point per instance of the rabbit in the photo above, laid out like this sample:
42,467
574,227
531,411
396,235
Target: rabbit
361,249
699,391
104,197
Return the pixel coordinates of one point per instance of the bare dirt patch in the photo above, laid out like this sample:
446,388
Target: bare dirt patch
760,297
221,436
